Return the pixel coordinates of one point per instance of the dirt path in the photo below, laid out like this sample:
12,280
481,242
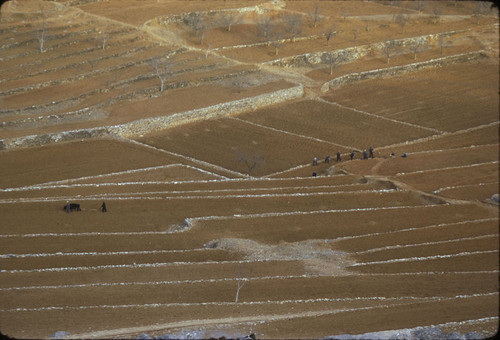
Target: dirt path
204,323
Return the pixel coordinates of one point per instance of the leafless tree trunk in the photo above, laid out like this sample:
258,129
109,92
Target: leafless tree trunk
241,282
197,23
40,28
436,15
277,43
229,19
443,43
333,60
293,25
102,39
161,71
402,20
265,27
251,162
354,34
417,46
344,13
329,33
481,8
420,5
388,49
315,16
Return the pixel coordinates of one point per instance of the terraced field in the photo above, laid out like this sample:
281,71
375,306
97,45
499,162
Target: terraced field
216,226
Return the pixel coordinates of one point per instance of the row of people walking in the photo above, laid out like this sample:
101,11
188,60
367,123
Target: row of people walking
366,155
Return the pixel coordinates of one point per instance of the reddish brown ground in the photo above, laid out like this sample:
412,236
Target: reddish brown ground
365,246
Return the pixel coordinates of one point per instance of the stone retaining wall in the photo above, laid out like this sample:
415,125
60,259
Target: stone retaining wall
352,53
148,125
395,70
144,126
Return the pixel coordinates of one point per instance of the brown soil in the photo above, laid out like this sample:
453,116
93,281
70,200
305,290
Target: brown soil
197,210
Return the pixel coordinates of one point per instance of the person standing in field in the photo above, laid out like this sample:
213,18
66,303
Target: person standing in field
338,156
103,207
315,161
371,152
352,155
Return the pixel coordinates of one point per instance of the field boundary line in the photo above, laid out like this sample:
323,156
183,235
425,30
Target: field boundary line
138,265
444,134
287,170
399,246
191,159
291,133
95,253
471,147
191,220
117,173
139,193
122,184
448,224
383,118
159,283
125,197
294,213
462,186
424,258
223,179
233,321
446,168
411,299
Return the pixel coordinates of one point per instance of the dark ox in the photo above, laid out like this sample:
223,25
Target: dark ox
73,207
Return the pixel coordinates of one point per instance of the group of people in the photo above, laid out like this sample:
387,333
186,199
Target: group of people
366,155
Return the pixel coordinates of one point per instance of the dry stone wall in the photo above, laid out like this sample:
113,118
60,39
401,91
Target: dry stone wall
395,70
148,125
352,53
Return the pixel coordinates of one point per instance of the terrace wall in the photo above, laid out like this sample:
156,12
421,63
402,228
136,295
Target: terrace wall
353,53
148,125
395,70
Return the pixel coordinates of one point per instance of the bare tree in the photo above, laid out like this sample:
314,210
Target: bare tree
402,20
265,26
197,23
207,51
329,34
102,39
417,46
420,5
315,16
481,8
388,49
241,282
162,71
228,19
40,27
276,41
251,162
443,42
344,13
333,60
436,15
293,25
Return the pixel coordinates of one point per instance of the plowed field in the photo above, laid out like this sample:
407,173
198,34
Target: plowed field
224,226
